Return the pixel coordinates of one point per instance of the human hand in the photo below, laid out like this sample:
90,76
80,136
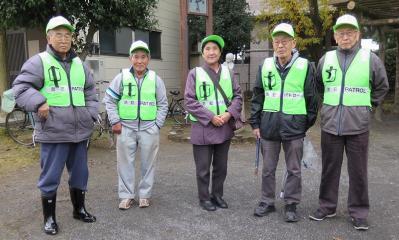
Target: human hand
226,117
117,128
43,111
217,121
256,132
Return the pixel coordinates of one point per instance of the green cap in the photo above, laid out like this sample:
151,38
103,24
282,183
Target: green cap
283,28
138,45
212,38
59,21
346,20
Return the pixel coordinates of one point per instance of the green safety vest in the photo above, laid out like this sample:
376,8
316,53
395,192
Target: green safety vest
58,88
138,101
355,82
288,95
207,93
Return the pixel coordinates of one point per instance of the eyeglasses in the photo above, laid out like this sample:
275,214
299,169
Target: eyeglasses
348,33
283,42
60,36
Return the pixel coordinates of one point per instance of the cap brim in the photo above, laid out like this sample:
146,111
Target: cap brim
275,33
67,26
336,26
140,48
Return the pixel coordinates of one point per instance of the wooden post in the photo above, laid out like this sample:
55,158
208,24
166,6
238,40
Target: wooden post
183,45
209,18
396,99
3,64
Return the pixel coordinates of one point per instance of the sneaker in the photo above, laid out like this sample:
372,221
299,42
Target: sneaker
318,215
290,214
144,202
263,209
360,224
126,203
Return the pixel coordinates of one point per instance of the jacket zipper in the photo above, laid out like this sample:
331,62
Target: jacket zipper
139,100
70,97
341,96
217,100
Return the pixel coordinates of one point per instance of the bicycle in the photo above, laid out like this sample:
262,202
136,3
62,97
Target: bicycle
176,108
102,126
20,126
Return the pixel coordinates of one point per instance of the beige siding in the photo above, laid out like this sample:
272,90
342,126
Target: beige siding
168,68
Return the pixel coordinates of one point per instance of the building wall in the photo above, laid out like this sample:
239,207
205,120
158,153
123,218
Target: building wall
168,68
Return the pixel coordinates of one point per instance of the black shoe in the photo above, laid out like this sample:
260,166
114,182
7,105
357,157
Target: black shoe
263,209
219,202
319,215
50,225
78,202
290,214
360,224
207,205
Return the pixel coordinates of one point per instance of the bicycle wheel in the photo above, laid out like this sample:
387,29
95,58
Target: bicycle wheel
19,127
179,113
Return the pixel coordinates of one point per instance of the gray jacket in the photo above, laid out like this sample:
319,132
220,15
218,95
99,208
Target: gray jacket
64,124
114,94
343,120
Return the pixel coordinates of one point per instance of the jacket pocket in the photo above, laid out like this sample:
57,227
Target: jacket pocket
84,118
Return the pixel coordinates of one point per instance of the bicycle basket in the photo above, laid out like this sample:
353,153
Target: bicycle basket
8,101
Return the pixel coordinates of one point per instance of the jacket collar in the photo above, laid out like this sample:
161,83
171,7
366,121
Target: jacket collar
70,55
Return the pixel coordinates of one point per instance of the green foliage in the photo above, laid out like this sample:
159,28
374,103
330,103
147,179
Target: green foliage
311,20
390,65
232,21
87,16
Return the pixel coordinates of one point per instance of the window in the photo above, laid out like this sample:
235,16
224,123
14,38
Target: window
115,42
153,39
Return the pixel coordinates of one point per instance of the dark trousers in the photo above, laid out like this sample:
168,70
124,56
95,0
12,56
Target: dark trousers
54,157
204,156
356,149
293,155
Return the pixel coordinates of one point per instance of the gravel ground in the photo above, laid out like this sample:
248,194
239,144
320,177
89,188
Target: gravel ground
175,214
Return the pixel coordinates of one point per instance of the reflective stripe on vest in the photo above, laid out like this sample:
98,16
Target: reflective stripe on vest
354,84
205,90
138,101
292,92
56,87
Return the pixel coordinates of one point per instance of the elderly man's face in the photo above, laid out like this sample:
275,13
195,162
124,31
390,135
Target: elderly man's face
283,45
346,37
60,39
139,60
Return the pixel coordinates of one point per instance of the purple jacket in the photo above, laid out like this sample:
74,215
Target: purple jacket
204,132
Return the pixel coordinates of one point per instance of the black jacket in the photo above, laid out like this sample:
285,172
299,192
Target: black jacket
279,126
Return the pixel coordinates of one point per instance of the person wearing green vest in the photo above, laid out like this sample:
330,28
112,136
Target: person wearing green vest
137,106
211,117
351,81
59,89
283,108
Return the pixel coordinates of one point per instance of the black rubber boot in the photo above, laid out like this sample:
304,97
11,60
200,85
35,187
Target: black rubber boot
78,202
50,225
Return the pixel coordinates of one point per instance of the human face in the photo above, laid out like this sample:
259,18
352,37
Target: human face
211,53
60,39
283,45
139,60
346,37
